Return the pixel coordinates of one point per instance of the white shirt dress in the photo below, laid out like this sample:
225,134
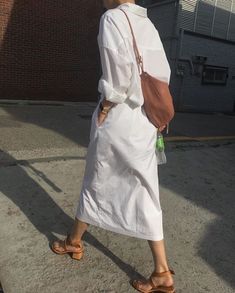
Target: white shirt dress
120,189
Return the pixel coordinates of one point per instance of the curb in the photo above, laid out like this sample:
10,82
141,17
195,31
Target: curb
198,138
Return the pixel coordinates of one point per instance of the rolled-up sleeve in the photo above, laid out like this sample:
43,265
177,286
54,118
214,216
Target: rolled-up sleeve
116,66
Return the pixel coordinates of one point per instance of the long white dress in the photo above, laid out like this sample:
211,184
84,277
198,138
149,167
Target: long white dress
120,190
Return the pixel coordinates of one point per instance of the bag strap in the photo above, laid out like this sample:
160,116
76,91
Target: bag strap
137,54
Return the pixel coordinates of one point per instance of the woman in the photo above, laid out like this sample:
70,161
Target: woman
120,190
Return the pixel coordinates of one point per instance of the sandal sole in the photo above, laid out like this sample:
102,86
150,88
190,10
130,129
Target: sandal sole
152,290
74,255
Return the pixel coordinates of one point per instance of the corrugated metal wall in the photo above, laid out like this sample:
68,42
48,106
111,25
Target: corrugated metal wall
232,23
187,14
210,17
221,18
203,19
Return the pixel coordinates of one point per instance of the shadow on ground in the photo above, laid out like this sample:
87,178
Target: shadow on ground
44,213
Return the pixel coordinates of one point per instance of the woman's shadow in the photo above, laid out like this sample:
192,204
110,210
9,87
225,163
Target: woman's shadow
40,209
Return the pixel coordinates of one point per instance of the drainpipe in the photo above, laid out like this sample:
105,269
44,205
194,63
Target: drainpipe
175,30
179,57
184,58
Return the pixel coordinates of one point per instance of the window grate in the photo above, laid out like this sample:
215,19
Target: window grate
214,75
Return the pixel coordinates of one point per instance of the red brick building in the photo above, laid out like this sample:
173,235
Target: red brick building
48,49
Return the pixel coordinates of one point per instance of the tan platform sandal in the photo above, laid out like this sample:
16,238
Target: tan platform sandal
63,247
159,289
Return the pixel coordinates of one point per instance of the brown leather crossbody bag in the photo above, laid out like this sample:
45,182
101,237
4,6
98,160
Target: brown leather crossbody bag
158,102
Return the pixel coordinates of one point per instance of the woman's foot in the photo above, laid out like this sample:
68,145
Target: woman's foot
157,279
69,245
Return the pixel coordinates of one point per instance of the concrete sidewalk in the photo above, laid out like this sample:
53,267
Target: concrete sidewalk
43,151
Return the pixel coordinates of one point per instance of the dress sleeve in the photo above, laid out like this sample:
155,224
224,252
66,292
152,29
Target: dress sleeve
116,66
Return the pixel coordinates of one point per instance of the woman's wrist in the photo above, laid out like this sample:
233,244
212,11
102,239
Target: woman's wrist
105,106
104,109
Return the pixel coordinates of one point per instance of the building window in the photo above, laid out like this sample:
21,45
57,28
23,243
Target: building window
214,75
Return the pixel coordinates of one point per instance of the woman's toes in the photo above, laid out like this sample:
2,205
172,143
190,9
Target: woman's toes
142,285
57,245
136,284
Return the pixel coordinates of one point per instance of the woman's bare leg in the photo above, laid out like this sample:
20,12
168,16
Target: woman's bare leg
78,229
160,265
159,255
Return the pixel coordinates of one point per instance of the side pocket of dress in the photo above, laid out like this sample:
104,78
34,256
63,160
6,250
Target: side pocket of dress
93,123
97,115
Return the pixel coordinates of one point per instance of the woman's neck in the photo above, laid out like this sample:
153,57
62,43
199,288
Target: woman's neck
126,1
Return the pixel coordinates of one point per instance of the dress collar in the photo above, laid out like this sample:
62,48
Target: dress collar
139,10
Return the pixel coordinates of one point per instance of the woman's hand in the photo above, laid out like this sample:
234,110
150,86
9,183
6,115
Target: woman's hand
162,128
101,117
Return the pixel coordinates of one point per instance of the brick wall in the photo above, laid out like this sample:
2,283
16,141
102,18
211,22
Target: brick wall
48,49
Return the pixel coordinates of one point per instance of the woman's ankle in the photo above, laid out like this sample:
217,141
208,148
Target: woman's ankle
162,279
73,240
161,268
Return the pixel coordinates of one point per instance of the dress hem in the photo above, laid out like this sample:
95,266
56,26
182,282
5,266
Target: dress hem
119,231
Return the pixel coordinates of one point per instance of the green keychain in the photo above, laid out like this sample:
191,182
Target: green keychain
160,142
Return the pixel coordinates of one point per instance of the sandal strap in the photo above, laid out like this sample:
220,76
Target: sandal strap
157,274
79,245
151,282
65,242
